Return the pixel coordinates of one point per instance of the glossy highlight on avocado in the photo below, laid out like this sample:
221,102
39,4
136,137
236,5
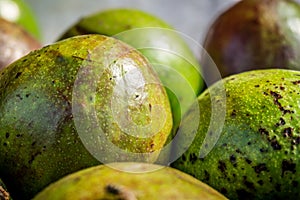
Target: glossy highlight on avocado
40,140
145,182
257,153
173,60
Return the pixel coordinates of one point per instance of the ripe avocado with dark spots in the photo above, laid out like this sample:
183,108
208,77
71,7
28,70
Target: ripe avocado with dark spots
62,106
256,155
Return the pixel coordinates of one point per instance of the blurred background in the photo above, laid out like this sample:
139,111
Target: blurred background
191,17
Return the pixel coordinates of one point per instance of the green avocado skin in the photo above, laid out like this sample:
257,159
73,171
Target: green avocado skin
114,182
39,141
257,153
181,75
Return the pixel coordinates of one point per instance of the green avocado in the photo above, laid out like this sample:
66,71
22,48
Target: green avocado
76,103
18,11
175,63
129,181
15,42
255,155
254,34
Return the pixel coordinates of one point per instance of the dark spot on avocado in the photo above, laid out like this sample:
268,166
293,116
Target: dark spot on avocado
232,159
18,75
260,182
259,168
248,161
243,194
248,184
112,189
183,157
256,86
287,132
33,157
281,122
238,151
275,144
193,158
296,82
263,131
296,141
19,96
7,135
222,166
206,176
233,114
287,165
263,150
278,104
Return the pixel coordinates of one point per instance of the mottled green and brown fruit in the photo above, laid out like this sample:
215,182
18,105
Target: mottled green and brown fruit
256,155
74,103
255,34
143,182
175,63
4,195
20,12
15,42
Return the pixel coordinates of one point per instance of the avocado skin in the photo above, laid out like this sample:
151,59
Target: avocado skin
257,153
39,141
129,181
4,195
254,34
15,42
127,24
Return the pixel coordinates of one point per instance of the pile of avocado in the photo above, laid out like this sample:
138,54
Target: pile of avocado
120,108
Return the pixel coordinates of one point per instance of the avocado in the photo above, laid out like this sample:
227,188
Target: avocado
76,103
254,34
15,42
20,12
254,152
4,195
129,181
173,60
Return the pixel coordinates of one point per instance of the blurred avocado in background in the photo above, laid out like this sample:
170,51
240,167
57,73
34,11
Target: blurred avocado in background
20,12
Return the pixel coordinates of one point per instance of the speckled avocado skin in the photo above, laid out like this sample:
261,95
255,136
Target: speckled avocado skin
115,182
257,154
39,141
176,65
